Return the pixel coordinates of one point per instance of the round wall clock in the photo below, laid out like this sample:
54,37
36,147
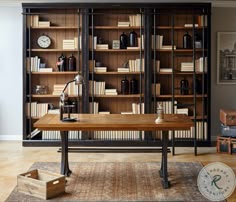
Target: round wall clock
44,41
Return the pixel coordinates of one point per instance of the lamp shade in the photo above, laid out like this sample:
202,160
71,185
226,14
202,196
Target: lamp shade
79,79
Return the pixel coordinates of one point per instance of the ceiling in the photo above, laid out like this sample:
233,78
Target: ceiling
215,3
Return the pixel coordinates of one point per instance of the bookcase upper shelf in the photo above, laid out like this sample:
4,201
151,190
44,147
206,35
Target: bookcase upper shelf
55,73
55,27
52,50
178,27
116,27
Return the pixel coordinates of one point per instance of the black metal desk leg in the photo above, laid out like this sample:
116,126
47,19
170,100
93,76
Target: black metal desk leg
65,170
164,171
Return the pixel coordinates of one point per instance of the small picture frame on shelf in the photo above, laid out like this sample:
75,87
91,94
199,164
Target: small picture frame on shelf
116,44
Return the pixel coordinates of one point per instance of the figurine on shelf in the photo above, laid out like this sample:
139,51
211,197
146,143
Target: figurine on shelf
160,114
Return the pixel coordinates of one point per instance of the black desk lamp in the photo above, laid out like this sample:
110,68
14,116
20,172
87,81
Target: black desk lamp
64,97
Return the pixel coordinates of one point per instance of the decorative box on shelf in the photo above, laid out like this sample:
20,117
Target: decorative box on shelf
41,184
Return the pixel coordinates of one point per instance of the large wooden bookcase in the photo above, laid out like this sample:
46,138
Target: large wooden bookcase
158,64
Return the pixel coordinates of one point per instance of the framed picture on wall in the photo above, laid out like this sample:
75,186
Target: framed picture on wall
226,57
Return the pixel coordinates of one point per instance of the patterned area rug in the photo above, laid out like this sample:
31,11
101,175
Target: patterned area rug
122,181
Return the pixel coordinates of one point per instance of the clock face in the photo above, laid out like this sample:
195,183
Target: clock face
44,41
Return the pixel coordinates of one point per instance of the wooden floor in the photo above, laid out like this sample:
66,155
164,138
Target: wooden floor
15,159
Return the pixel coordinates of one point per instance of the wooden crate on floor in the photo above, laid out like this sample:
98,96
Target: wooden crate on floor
41,184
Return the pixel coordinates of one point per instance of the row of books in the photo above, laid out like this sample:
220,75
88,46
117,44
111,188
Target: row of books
72,89
138,108
135,20
55,135
136,65
33,64
118,135
35,109
96,87
200,65
156,89
201,132
156,65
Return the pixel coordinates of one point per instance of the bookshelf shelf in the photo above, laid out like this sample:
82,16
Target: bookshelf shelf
119,96
118,50
116,27
52,50
117,73
54,73
182,96
179,27
55,28
51,96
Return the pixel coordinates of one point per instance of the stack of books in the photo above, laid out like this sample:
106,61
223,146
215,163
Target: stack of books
190,25
182,111
123,24
165,69
102,46
186,67
43,23
68,44
168,47
111,92
122,69
100,69
46,69
201,64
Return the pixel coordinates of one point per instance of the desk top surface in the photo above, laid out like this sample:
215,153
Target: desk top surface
90,122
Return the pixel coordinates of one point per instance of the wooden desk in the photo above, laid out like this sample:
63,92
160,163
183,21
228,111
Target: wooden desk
102,122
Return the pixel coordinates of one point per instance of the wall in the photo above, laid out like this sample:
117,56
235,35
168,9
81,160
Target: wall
10,73
11,70
223,96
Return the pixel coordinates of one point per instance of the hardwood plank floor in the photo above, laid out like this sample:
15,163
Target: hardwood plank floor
15,159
